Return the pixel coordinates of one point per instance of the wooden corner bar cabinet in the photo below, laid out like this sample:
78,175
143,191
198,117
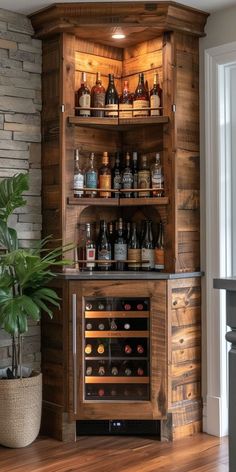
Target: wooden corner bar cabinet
125,345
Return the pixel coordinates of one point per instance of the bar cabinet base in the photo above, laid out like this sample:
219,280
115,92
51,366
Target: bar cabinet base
118,427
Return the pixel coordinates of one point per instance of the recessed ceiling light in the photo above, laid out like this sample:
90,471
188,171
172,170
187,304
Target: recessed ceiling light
118,33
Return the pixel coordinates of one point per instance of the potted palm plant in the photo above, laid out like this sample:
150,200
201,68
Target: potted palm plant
24,292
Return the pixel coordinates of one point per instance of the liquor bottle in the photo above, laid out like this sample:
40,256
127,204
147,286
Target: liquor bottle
157,178
144,178
114,371
126,102
91,178
128,231
113,325
111,236
120,247
83,98
134,251
101,370
128,349
78,176
103,248
135,173
88,349
141,98
116,181
140,349
111,99
101,349
105,176
155,97
159,249
89,370
140,371
89,326
90,249
98,94
147,248
101,326
127,177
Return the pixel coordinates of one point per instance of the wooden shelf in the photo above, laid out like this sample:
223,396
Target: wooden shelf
116,358
117,334
122,202
120,124
116,380
116,314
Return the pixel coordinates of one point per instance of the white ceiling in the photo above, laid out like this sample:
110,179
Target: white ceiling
30,6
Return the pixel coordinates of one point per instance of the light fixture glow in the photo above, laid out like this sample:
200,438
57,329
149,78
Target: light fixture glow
118,33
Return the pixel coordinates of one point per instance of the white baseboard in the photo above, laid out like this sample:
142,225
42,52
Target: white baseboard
215,418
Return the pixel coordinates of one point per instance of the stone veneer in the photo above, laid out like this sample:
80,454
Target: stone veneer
20,137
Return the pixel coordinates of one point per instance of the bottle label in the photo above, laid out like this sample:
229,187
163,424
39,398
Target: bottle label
91,180
120,252
155,102
104,255
140,104
84,102
99,100
148,255
134,255
90,256
105,183
144,181
78,185
112,110
127,181
125,110
117,182
159,259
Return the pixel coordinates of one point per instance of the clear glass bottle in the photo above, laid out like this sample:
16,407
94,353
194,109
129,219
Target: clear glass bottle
105,177
103,248
112,99
116,178
134,251
141,98
126,102
90,249
155,97
127,177
83,98
157,178
144,177
159,249
120,247
78,176
98,94
91,178
147,248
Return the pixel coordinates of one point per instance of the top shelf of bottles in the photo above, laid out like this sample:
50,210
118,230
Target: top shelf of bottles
117,123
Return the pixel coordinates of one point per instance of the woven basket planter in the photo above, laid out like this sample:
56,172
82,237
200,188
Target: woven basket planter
20,410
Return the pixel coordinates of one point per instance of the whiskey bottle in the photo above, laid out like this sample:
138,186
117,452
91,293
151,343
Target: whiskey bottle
105,177
155,97
103,248
120,247
91,178
141,98
126,102
159,249
78,176
157,178
147,248
83,98
117,176
135,173
127,177
98,94
111,99
144,178
90,249
134,251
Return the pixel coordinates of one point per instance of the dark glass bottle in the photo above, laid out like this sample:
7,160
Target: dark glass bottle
83,98
135,173
98,94
112,99
155,97
144,178
159,249
134,251
105,177
128,231
141,98
147,248
91,178
126,102
116,183
90,248
120,247
103,248
111,234
127,177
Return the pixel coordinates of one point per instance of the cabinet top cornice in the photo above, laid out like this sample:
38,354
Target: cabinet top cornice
155,16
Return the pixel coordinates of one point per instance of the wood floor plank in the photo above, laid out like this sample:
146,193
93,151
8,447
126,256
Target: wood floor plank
199,453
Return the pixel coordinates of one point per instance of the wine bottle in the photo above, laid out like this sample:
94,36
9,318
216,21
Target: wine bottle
128,231
101,326
88,306
89,326
144,178
147,248
127,177
140,349
83,98
135,173
141,98
127,326
78,176
159,249
134,251
126,102
101,349
103,248
157,178
116,182
111,99
101,392
128,349
140,371
127,369
91,178
114,371
155,97
101,306
98,94
120,247
105,176
101,370
89,370
113,325
90,248
88,349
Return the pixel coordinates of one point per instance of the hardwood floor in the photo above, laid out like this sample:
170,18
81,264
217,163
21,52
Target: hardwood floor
200,453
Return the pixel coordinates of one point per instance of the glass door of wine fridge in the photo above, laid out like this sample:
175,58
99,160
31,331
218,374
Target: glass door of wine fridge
116,349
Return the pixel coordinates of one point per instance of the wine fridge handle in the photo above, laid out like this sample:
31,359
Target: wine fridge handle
74,351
